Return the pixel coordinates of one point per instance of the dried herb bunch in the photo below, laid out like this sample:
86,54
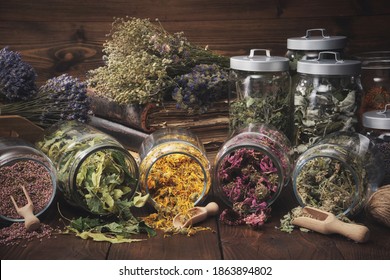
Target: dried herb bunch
144,63
17,78
323,106
60,98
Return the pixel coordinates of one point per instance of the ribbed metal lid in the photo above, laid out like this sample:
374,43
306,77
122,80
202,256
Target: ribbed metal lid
320,43
259,63
377,119
334,67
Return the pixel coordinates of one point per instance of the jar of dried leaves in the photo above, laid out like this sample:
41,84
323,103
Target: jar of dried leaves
338,173
250,170
376,126
21,164
259,91
95,171
326,98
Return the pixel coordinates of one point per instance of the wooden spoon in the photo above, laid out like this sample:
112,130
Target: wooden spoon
327,223
31,222
195,215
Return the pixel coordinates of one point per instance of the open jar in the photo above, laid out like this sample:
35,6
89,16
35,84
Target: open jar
252,167
338,174
95,171
309,46
174,170
376,126
326,98
21,164
259,91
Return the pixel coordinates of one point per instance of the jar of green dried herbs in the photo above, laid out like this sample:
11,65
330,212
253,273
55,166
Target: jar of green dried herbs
23,165
376,126
174,170
252,167
326,98
95,171
259,91
338,174
309,46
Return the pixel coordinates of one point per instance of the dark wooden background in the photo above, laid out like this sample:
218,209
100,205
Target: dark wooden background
66,36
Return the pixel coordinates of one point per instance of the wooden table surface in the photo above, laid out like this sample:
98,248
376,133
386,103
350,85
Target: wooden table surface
224,242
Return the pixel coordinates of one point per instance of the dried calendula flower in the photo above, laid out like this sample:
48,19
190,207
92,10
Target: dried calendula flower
175,173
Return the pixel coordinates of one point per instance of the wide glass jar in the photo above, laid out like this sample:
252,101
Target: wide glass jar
252,167
338,174
95,171
375,78
21,164
259,91
376,126
174,170
309,46
326,98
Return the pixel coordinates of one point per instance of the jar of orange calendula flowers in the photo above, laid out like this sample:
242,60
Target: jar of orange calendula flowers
175,172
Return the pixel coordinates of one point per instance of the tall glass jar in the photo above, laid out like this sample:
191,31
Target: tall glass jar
375,80
174,170
21,164
309,46
338,174
326,98
95,171
376,126
252,167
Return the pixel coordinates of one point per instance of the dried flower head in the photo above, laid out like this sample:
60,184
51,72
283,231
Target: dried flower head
17,78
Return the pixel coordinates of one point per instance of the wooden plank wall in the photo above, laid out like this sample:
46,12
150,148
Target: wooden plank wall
66,36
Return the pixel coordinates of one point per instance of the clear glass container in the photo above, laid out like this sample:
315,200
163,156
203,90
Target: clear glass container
259,91
95,171
174,169
375,78
376,126
326,98
21,164
252,167
338,174
309,46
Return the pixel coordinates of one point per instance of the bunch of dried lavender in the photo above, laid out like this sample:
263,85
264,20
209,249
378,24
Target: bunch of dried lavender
17,78
144,63
61,98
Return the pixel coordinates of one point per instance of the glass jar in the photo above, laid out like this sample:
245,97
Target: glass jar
21,164
376,126
174,169
309,46
338,174
252,167
375,78
259,91
95,171
326,98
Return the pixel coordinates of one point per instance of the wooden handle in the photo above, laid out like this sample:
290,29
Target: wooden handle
31,222
212,208
358,233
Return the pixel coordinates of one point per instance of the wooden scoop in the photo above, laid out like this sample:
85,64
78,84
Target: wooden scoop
31,222
195,215
327,223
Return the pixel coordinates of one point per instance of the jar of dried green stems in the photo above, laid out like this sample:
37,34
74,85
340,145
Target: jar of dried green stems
338,174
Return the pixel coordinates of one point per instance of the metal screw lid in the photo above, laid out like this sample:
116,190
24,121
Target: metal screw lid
320,43
259,63
377,119
326,66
